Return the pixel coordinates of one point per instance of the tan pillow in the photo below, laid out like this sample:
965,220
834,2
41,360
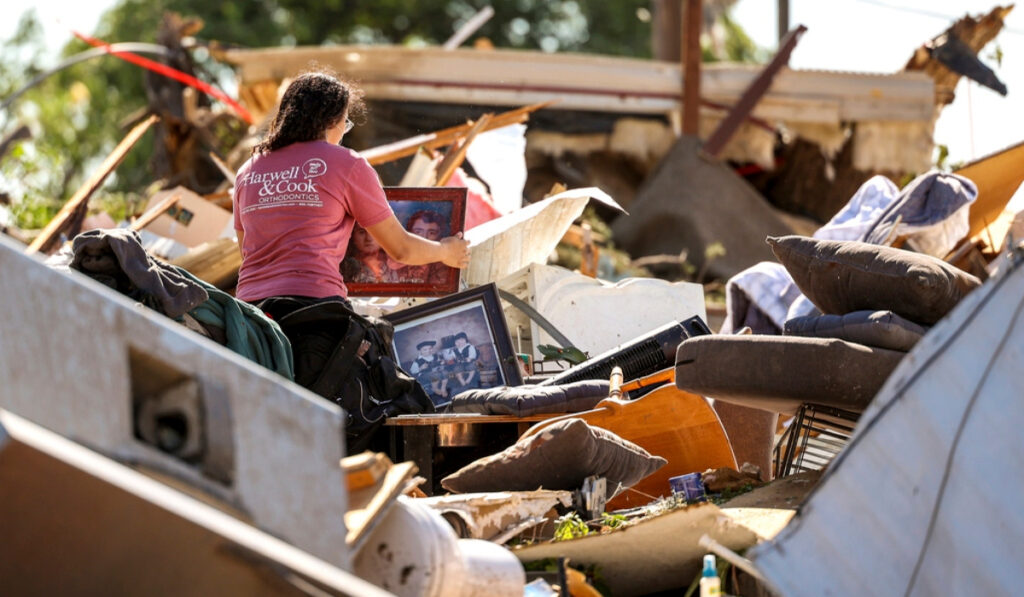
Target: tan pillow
844,276
561,456
779,373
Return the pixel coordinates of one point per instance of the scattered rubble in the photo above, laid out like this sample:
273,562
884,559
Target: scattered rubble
894,311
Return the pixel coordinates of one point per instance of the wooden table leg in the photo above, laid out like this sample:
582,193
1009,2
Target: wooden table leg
418,446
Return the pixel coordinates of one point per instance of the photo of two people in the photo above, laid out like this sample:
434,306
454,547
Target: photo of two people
450,353
447,370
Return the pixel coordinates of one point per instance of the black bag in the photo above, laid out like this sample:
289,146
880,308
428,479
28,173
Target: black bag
347,358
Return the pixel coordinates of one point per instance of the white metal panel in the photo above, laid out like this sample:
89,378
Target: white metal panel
598,316
887,507
513,241
64,364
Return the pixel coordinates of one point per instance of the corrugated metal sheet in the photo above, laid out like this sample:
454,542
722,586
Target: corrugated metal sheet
926,499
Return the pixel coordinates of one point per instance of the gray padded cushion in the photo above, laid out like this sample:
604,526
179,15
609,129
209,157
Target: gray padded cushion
882,329
560,456
844,276
779,373
523,401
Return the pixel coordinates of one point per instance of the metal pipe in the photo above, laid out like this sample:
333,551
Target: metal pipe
137,47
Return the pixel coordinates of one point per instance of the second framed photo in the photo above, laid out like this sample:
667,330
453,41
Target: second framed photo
456,343
430,212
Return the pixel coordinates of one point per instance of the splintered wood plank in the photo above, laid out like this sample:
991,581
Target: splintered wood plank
366,506
153,213
457,154
49,235
406,147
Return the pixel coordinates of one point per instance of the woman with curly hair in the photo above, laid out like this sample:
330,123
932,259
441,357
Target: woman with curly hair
300,194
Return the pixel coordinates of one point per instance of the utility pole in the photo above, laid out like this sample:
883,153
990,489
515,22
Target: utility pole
783,19
691,58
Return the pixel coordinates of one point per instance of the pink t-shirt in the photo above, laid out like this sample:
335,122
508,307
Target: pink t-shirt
297,206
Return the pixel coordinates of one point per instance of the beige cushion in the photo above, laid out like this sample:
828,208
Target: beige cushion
779,373
844,276
561,456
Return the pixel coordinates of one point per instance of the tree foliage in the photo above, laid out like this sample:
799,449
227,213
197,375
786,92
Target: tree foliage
79,114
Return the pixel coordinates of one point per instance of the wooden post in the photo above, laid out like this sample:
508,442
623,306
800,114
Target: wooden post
691,56
783,19
666,30
52,231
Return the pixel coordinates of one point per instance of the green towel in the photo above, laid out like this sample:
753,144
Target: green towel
249,331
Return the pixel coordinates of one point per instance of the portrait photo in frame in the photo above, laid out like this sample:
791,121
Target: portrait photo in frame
430,212
456,343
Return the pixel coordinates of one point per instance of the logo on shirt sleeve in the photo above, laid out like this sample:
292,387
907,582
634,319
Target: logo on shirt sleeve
314,167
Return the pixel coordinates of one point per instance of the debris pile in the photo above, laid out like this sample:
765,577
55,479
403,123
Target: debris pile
535,424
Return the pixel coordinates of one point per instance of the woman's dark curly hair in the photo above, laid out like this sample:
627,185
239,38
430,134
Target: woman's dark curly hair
313,102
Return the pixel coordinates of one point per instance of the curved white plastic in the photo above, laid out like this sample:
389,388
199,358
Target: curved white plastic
413,552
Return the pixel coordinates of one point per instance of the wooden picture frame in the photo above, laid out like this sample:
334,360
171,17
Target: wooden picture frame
483,359
437,211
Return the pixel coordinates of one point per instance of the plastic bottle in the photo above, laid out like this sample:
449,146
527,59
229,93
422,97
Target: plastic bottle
710,584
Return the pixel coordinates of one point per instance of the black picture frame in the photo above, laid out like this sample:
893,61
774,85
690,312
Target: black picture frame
476,315
446,206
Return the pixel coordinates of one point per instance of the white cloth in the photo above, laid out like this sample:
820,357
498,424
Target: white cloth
860,212
766,285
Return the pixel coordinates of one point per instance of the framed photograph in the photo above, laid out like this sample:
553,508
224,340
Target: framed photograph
430,212
456,343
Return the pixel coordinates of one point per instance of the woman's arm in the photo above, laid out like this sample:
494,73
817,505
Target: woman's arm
410,249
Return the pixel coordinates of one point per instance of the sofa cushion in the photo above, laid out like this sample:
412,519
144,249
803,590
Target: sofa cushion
779,373
881,329
561,456
844,276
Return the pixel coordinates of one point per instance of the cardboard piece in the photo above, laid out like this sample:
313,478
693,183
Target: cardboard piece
192,221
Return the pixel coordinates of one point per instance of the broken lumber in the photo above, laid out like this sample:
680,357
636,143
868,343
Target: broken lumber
48,237
975,33
215,262
364,469
457,153
406,147
152,214
752,94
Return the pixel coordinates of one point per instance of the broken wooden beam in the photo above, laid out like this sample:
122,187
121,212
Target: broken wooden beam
48,237
406,147
457,154
974,32
152,214
752,94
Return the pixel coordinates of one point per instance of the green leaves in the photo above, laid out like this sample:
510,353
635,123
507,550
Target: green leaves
571,354
570,526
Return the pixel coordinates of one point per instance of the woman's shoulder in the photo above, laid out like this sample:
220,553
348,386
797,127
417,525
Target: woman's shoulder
337,152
